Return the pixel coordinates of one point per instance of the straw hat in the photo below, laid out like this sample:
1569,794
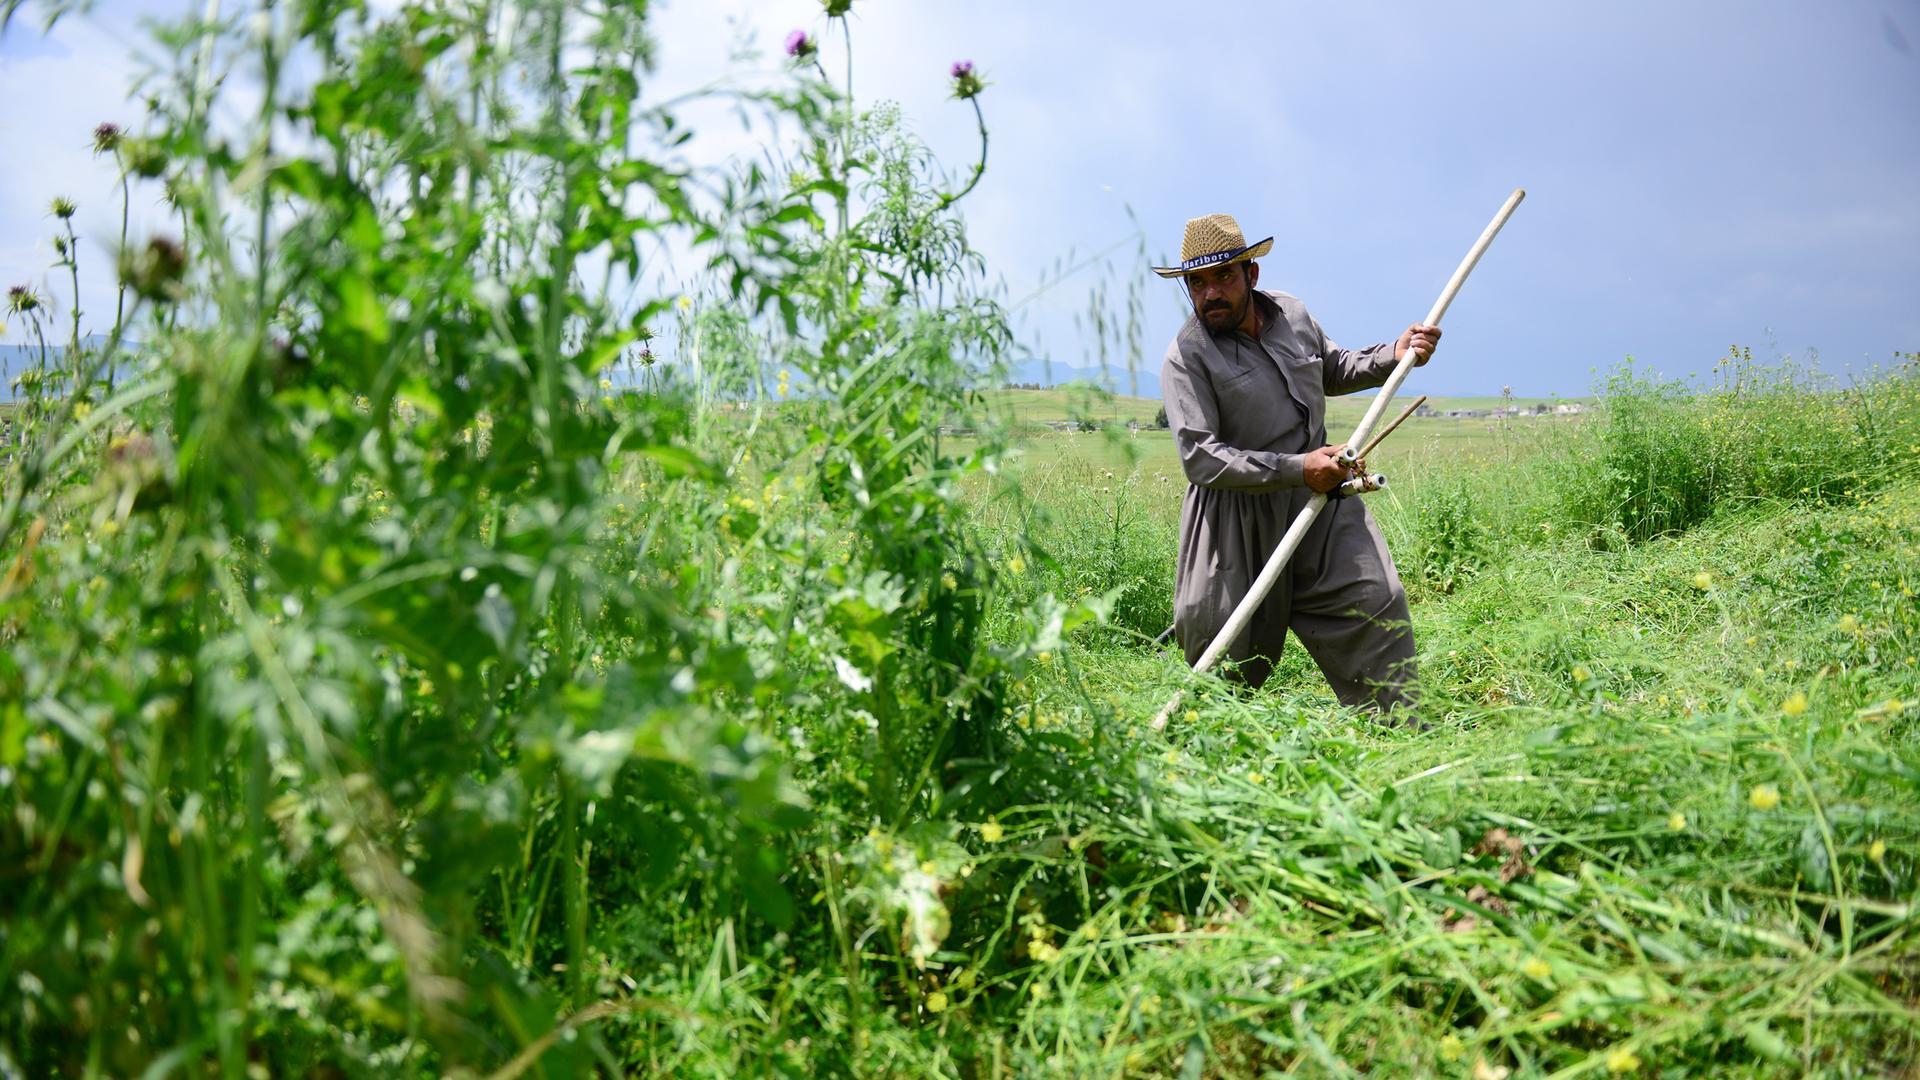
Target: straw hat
1213,240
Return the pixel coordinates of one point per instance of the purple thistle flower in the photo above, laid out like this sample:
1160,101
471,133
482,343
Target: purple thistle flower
966,81
800,45
105,138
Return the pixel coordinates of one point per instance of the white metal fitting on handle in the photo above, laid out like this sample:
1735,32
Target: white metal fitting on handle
1363,482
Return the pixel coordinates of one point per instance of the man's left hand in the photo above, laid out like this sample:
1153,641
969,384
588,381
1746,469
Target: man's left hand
1421,339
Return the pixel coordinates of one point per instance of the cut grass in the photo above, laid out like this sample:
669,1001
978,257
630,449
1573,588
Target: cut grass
1617,721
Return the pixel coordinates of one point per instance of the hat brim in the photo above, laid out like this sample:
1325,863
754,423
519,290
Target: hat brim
1251,251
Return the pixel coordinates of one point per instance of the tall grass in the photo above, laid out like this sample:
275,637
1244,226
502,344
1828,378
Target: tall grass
1671,456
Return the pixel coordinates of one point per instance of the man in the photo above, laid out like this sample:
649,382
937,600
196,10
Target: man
1246,381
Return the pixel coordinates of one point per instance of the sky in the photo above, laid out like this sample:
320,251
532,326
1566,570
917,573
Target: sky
1698,175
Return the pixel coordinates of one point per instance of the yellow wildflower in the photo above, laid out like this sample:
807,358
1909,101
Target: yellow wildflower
1536,969
686,303
1451,1048
936,1002
1193,716
1877,851
992,832
1764,797
1677,822
1795,704
1622,1060
1703,581
1043,656
1256,778
1849,625
1017,564
1581,674
1044,951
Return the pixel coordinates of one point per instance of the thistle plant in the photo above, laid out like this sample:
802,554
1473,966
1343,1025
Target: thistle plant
385,656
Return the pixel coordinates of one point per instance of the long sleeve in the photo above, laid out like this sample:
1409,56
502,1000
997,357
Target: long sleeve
1350,370
1193,412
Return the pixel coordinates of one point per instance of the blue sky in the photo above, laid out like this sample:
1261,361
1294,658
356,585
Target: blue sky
1698,174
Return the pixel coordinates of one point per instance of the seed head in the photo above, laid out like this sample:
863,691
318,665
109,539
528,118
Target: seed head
21,300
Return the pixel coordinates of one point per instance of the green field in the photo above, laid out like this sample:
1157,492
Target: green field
1419,446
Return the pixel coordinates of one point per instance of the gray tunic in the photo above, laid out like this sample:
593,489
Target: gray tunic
1244,413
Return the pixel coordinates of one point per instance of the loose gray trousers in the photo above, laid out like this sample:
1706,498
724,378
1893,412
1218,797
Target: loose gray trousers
1244,412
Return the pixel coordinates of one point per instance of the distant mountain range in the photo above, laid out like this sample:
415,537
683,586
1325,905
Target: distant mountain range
16,357
1113,378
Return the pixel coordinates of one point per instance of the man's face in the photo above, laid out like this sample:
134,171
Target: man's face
1220,294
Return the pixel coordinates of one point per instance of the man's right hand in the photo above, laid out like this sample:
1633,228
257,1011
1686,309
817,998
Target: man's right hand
1324,470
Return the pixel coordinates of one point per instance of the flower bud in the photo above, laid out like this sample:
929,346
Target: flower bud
106,138
145,157
156,271
63,207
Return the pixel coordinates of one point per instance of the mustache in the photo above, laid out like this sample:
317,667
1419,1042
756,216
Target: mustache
1218,305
